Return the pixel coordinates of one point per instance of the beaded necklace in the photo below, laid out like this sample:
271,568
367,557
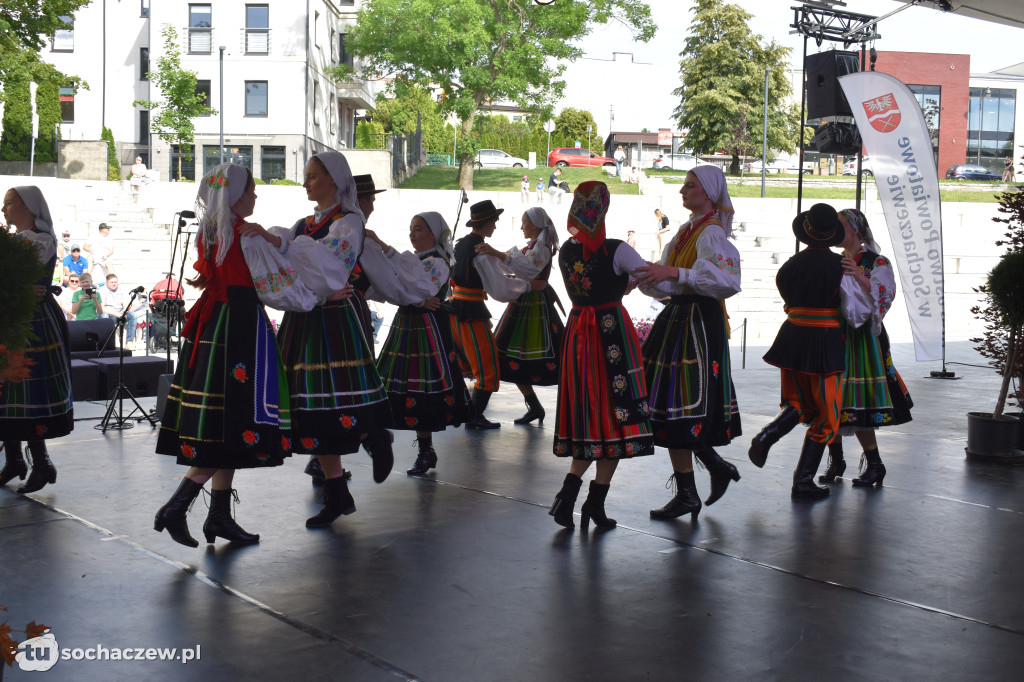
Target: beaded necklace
694,227
313,226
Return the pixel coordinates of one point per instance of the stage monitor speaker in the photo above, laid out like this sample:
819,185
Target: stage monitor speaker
162,391
90,335
824,95
837,138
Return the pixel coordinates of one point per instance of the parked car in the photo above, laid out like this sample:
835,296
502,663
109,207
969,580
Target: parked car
971,171
571,156
680,162
778,166
495,158
850,168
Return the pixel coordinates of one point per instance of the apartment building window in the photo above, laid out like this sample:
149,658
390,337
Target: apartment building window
203,90
143,63
332,115
257,29
317,98
67,105
145,8
255,98
316,29
64,38
144,126
200,29
188,163
347,3
242,155
334,47
343,56
272,163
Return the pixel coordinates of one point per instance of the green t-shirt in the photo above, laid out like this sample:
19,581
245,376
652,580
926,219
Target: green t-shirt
87,310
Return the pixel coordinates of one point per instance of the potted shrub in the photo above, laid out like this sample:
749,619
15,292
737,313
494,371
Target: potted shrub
999,436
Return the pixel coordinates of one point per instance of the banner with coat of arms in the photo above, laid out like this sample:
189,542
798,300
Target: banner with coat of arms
896,138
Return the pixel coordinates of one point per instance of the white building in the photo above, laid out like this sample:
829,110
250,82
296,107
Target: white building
279,106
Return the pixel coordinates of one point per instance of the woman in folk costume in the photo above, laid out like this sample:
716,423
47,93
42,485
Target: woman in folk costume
529,334
337,398
686,353
810,349
602,413
874,395
37,408
418,363
228,404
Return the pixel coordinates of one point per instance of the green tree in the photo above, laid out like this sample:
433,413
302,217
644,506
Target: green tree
171,117
722,92
113,165
397,111
479,51
370,135
25,28
572,125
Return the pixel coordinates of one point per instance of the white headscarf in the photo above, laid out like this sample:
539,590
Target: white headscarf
442,234
337,165
219,190
34,201
540,218
712,179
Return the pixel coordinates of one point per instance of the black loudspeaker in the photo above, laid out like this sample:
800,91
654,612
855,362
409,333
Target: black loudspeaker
824,95
837,138
90,334
85,380
141,374
162,391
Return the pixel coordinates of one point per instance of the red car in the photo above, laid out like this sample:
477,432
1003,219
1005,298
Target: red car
577,158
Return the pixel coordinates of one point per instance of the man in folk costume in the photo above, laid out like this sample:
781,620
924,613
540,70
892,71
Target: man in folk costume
472,279
686,354
810,348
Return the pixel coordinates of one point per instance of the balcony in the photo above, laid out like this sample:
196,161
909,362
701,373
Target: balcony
200,40
256,40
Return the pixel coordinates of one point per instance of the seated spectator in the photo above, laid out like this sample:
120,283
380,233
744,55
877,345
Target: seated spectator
64,245
86,303
554,189
74,263
101,251
64,300
115,301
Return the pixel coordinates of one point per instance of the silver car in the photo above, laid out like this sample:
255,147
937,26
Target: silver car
495,158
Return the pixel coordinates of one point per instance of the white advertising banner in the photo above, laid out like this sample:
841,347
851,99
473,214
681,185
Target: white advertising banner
896,138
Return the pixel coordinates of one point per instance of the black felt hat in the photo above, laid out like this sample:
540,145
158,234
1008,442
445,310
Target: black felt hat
819,226
364,185
482,213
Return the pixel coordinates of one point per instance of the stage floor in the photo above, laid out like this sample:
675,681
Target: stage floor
462,575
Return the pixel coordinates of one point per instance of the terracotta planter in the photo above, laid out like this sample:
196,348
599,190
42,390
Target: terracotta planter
992,440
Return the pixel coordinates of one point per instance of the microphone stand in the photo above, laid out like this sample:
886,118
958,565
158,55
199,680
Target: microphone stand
170,318
122,421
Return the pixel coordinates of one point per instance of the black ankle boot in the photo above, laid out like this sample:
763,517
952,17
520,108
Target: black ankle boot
14,465
721,473
875,471
43,471
337,501
172,515
565,500
803,478
686,500
314,470
774,430
836,463
534,410
479,422
425,460
593,507
378,444
219,522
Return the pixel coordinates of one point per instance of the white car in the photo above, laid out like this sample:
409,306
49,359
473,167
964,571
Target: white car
495,158
680,162
777,166
850,168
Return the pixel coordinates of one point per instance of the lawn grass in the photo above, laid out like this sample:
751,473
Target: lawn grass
508,179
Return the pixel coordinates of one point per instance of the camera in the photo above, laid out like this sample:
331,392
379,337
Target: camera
89,291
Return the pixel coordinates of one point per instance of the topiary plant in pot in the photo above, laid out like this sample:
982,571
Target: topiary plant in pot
994,435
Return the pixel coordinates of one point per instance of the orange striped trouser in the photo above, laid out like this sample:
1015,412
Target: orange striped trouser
819,399
477,343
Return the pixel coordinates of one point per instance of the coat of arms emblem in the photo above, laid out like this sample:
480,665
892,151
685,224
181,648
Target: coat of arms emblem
883,113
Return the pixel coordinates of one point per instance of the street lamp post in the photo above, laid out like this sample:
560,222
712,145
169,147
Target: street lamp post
764,133
987,92
222,104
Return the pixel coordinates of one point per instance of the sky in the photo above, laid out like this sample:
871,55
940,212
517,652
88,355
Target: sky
991,46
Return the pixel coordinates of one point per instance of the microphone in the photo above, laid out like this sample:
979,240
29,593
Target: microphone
187,214
138,290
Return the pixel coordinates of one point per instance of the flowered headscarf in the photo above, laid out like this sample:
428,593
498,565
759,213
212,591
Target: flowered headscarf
337,166
442,234
712,179
219,190
34,201
859,222
548,235
586,215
